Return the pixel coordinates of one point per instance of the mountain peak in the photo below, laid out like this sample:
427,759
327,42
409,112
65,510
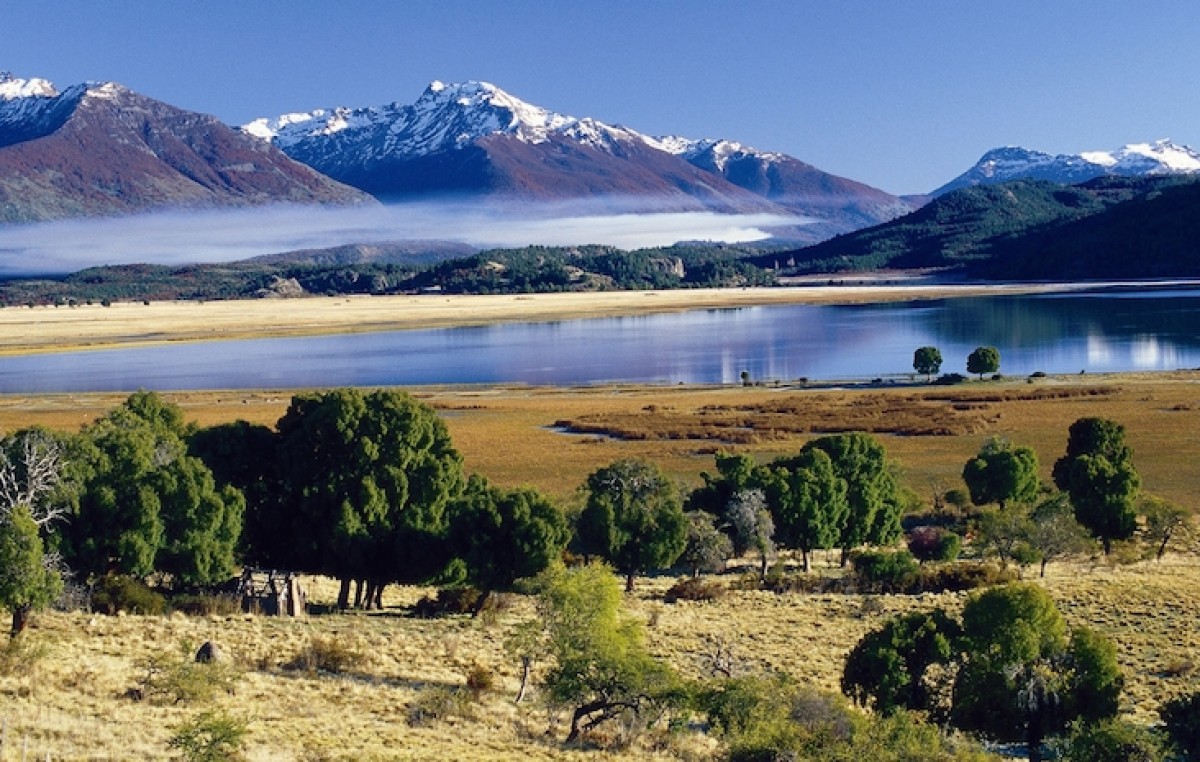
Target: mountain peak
1161,157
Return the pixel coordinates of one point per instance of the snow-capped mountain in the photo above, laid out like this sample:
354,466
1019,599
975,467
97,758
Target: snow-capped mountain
101,149
474,138
1012,163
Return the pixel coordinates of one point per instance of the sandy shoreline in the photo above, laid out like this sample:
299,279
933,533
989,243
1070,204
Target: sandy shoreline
30,330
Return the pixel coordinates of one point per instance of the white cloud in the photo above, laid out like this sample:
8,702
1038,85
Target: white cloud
175,238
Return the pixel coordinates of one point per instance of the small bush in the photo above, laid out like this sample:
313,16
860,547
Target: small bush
480,680
933,543
452,600
117,592
210,737
437,704
21,654
206,605
959,577
950,379
1111,741
177,679
884,571
694,589
330,654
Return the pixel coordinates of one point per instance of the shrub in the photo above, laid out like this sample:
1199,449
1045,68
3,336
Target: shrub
451,600
950,379
957,577
210,737
933,543
480,680
886,571
117,592
1181,719
206,605
177,679
330,654
694,589
21,654
1111,741
436,704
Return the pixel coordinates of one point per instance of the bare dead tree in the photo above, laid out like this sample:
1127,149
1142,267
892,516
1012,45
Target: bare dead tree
31,468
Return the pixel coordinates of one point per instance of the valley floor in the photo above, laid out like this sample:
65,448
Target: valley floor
25,330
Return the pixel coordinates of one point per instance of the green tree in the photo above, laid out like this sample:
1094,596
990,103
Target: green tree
145,505
872,494
504,535
735,472
886,669
1097,473
367,479
927,360
633,518
1002,473
27,581
601,668
1020,677
810,504
983,360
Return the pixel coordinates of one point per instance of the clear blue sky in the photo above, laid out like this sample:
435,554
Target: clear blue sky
902,95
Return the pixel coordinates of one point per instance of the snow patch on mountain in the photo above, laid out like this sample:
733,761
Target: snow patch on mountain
12,88
1162,157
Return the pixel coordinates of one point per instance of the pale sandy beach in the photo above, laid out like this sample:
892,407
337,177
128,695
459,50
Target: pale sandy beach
26,330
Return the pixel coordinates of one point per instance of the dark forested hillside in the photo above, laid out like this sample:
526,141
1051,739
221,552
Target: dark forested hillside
1026,229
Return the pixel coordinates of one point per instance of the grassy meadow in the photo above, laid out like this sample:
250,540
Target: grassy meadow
72,700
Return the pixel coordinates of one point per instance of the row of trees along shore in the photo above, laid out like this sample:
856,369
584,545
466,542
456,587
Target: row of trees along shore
367,487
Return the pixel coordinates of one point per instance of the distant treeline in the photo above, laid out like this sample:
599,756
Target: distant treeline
531,269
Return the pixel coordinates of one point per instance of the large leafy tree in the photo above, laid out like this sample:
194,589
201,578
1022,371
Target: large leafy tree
146,505
1022,678
927,361
886,669
1097,473
983,360
366,480
1002,473
501,536
810,503
633,518
872,494
1017,674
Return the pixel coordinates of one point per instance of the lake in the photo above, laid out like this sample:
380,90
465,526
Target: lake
1111,330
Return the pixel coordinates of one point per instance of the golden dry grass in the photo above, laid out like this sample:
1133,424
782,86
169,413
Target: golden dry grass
72,704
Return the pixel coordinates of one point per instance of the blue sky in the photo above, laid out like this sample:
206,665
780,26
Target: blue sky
900,95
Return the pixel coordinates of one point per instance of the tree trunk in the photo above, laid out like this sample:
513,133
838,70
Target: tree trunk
629,582
1162,548
20,618
1043,571
762,566
480,602
845,557
804,560
1106,543
526,668
343,601
358,594
379,586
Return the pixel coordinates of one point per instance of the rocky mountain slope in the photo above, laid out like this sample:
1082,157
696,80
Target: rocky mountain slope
475,139
102,149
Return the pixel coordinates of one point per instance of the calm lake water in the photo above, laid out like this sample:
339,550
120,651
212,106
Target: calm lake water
1142,329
